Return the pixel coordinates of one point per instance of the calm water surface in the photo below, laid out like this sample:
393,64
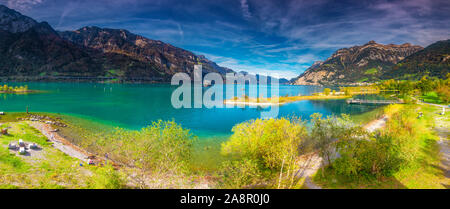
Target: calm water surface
137,105
134,106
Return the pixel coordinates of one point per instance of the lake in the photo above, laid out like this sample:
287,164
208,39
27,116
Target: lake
134,106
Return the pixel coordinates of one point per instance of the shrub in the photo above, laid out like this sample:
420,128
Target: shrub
107,178
268,147
326,131
238,173
378,156
163,147
268,142
386,152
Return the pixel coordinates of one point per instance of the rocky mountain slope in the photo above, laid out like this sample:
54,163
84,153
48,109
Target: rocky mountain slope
433,61
356,64
32,50
167,58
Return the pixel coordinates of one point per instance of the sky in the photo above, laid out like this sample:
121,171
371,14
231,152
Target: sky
281,38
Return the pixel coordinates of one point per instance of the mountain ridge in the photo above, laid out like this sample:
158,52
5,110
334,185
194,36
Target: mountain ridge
356,63
33,50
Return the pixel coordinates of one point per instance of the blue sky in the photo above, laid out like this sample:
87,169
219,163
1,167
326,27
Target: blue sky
279,37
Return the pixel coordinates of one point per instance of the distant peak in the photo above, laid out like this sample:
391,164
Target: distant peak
371,42
3,7
13,21
89,28
406,45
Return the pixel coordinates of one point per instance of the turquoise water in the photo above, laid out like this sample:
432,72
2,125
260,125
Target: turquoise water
134,106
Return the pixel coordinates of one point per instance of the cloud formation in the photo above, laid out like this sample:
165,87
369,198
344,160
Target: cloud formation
284,36
245,10
22,5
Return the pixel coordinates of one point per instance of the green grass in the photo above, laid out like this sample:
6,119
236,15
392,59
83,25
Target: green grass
11,163
48,168
432,97
363,79
371,71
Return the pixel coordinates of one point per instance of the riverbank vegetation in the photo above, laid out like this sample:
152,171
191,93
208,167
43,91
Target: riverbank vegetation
14,89
327,94
161,149
259,154
404,154
431,90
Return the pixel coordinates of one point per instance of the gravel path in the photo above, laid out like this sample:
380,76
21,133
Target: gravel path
309,164
443,130
376,124
59,142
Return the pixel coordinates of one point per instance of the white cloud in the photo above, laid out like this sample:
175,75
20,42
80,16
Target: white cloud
23,5
245,9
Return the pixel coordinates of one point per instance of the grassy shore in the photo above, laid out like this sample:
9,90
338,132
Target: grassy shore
343,93
423,172
42,171
47,167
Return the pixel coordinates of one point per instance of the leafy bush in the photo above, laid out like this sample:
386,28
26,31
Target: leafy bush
238,173
107,178
268,148
375,157
161,147
268,142
384,153
326,131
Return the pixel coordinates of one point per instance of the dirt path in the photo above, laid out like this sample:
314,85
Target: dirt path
310,163
61,143
376,124
443,130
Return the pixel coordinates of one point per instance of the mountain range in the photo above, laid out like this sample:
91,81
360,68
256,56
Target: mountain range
32,50
372,62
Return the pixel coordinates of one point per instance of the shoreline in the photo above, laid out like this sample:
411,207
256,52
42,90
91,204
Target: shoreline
281,100
60,142
239,103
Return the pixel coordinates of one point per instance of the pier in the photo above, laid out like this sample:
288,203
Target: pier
368,101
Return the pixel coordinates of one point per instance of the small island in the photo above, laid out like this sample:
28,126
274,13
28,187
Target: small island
5,89
343,93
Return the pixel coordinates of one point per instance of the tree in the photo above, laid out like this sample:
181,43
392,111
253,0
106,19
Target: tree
327,131
326,91
272,144
425,85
